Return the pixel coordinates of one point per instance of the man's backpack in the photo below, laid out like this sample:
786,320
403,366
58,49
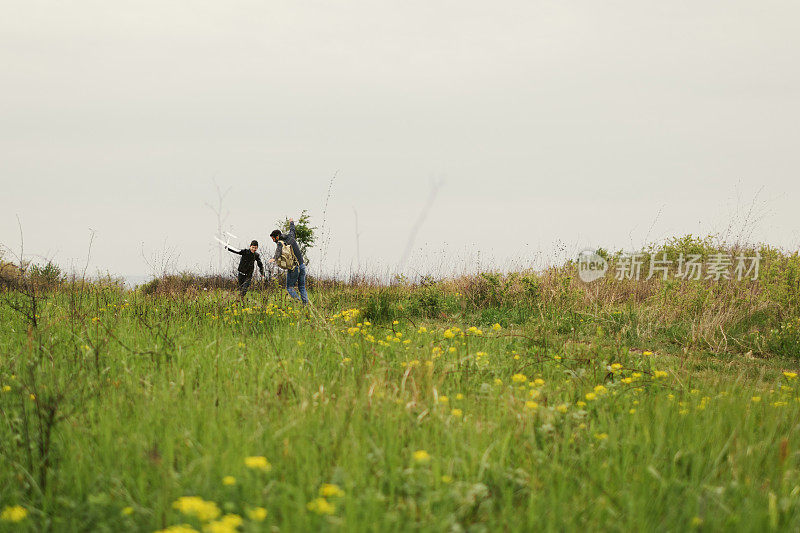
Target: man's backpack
287,259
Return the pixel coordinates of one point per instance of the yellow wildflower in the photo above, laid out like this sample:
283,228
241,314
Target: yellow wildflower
519,378
496,327
456,412
421,456
790,375
14,513
258,463
229,480
257,514
182,528
227,524
658,374
591,396
196,506
321,506
331,490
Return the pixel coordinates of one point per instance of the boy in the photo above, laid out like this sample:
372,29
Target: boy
246,265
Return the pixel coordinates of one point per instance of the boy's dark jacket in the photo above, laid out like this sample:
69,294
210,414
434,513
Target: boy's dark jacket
246,264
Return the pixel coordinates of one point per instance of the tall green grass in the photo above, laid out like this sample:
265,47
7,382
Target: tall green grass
116,403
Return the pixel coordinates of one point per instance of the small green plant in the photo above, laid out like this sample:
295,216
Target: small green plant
49,274
304,231
785,339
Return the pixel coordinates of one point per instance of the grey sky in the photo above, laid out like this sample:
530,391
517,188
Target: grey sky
551,125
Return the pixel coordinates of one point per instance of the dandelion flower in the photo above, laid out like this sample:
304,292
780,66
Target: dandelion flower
321,506
456,412
519,378
790,375
229,480
658,374
227,524
127,511
257,463
421,457
14,513
591,396
196,506
257,514
601,436
331,490
182,528
496,327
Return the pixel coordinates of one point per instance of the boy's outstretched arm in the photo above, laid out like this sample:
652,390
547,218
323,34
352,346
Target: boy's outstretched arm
237,252
291,227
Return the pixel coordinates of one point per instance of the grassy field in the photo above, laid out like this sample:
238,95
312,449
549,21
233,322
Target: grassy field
485,404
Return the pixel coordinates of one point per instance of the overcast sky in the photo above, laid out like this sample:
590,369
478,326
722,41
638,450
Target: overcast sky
548,127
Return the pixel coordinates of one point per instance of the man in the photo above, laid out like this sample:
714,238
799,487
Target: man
246,265
296,275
